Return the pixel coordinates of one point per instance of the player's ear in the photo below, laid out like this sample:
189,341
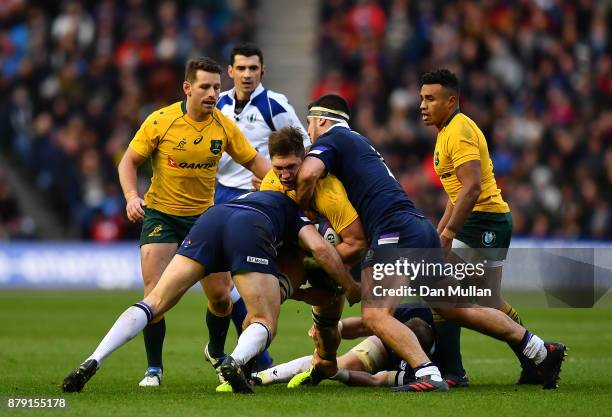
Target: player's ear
230,71
187,88
263,70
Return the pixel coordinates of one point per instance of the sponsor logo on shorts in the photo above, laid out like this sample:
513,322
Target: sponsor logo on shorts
254,260
488,238
156,231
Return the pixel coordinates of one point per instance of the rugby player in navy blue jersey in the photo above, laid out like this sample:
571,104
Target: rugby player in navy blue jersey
242,237
391,220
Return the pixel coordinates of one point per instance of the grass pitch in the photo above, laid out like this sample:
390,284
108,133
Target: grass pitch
44,335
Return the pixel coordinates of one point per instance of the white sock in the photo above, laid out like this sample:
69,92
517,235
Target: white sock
251,342
285,371
235,295
431,370
535,349
127,326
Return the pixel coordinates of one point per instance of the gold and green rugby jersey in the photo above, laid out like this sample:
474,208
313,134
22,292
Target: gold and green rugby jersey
185,155
330,199
458,142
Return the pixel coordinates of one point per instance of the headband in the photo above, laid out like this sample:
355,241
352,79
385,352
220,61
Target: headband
329,114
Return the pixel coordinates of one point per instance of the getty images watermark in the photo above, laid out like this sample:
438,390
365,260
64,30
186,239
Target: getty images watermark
420,271
534,277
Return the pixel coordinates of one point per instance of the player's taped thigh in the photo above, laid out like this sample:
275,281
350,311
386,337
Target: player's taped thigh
372,355
286,288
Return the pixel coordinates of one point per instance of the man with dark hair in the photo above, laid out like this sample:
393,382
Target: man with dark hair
476,215
185,142
257,112
214,244
392,221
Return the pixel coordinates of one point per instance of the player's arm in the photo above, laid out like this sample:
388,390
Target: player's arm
468,174
128,175
353,327
448,211
259,166
311,170
353,243
330,261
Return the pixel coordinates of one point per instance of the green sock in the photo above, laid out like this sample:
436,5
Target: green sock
217,333
154,335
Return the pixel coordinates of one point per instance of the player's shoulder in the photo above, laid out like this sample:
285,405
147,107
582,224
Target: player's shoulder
461,123
279,103
163,117
222,119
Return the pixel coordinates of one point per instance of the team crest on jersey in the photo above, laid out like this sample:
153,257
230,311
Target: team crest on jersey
156,231
488,238
181,145
437,158
197,140
215,146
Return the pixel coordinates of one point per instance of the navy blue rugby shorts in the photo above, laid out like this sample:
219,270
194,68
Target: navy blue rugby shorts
232,239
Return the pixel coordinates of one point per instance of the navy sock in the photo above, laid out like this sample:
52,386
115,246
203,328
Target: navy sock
448,348
217,333
154,335
526,363
239,313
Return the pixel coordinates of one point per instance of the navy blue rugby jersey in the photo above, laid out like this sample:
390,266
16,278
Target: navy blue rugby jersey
286,217
370,185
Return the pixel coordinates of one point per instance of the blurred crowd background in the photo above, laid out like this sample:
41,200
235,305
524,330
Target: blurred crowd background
77,79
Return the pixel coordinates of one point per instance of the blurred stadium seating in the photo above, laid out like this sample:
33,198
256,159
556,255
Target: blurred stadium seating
78,77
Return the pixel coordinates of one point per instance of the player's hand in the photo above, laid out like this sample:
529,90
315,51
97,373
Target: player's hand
353,294
445,243
135,209
256,182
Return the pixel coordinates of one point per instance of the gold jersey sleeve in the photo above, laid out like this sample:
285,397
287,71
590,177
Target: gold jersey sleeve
185,155
461,141
330,199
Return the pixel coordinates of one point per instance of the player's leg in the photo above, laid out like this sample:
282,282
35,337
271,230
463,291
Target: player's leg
179,276
218,315
154,258
261,294
547,357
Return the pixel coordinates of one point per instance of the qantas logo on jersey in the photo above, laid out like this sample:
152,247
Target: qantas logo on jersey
191,165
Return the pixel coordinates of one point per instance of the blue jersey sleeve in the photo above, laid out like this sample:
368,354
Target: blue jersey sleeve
325,150
301,220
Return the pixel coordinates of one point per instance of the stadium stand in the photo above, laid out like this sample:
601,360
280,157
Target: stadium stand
78,77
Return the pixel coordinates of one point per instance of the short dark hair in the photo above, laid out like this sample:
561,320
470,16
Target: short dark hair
422,331
286,141
332,102
443,77
246,49
203,63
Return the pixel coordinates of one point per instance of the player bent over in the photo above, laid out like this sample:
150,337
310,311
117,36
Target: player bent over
241,237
